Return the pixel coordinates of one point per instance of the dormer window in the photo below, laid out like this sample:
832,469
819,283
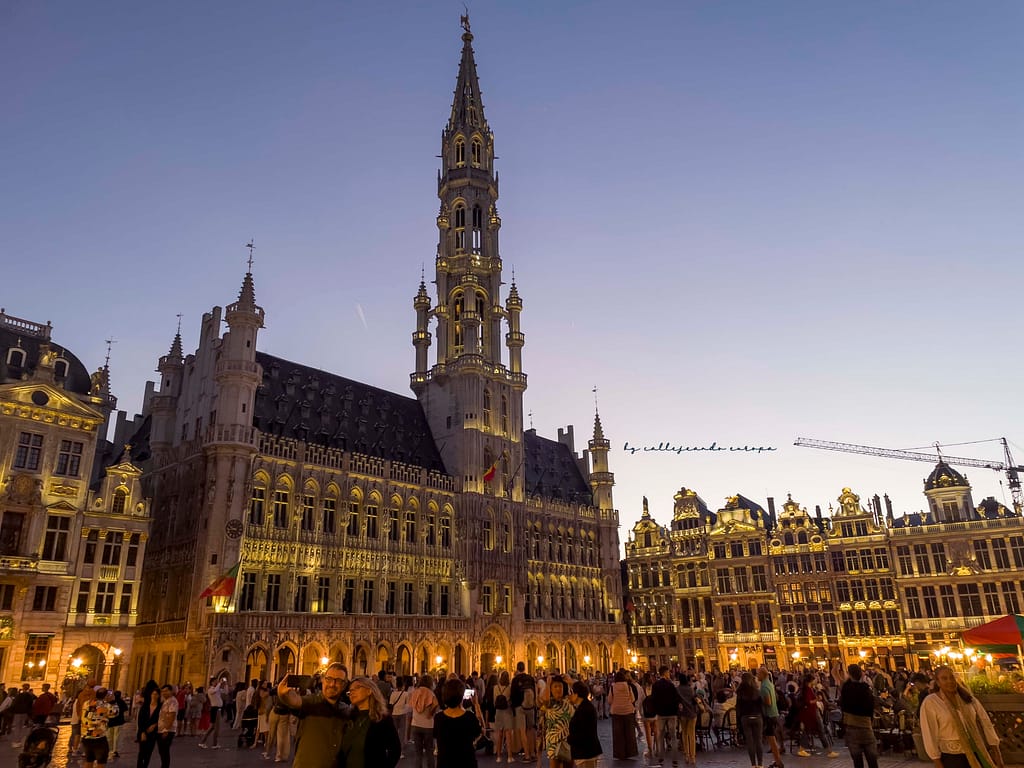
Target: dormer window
60,369
120,501
16,357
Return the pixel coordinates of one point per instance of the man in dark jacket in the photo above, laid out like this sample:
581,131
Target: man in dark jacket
583,740
857,701
665,702
21,708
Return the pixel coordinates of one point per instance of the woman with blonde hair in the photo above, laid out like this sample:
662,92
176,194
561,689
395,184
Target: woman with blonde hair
504,720
370,739
955,728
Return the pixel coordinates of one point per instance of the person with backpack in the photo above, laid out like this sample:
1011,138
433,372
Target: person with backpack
666,703
504,717
523,699
857,702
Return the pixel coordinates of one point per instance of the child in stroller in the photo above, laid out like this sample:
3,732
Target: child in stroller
38,749
250,719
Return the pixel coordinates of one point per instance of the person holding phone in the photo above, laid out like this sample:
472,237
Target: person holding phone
323,719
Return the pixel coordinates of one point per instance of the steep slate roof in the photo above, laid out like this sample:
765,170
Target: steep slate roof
77,379
552,471
303,403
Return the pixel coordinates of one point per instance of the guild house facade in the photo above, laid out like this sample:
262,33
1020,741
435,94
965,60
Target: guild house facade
343,522
745,586
74,522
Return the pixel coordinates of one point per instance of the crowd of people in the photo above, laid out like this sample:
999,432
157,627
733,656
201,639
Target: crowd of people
330,720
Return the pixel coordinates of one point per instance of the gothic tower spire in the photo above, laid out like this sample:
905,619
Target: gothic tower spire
473,393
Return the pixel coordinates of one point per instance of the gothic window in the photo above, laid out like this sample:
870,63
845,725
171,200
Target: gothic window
371,521
477,152
329,510
431,531
478,226
488,533
257,505
481,303
410,527
281,509
247,600
504,414
460,151
446,532
487,410
460,227
394,529
307,513
457,342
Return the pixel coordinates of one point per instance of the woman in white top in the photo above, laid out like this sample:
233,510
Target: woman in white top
956,730
400,709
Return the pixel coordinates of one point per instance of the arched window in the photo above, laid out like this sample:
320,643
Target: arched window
504,414
478,226
801,538
487,409
16,357
457,342
481,304
119,502
787,539
352,529
410,526
60,369
477,150
446,532
460,227
460,151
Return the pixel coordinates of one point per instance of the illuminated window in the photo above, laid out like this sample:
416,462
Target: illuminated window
36,651
487,598
104,601
478,225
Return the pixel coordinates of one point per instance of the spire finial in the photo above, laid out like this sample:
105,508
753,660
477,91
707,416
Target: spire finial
251,245
464,19
110,342
594,390
179,323
530,416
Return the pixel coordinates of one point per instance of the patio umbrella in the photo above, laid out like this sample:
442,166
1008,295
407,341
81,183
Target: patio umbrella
1000,636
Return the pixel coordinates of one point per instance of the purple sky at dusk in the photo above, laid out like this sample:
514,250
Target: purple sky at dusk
743,221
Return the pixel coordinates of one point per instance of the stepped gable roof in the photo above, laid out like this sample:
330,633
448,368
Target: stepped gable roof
552,471
944,476
77,380
303,403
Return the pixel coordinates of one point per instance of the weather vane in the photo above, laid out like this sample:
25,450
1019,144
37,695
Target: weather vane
251,245
110,342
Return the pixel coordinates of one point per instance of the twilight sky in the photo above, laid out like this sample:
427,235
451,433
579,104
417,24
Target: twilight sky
744,222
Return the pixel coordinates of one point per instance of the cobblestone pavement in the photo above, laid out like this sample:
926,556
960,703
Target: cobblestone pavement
185,754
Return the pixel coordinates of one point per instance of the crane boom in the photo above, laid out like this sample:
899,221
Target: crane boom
1012,471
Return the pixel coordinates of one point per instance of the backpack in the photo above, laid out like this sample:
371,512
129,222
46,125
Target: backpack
501,701
529,697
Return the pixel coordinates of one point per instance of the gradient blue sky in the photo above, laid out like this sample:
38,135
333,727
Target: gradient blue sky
743,221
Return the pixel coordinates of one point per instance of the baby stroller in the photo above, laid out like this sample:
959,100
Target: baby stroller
250,720
38,749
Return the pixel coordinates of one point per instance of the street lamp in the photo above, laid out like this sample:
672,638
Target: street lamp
540,660
324,661
586,661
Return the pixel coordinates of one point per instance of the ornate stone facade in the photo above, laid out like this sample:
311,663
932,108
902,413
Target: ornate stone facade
73,523
744,587
381,530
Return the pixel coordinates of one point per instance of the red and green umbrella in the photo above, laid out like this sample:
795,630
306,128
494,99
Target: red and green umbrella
1005,635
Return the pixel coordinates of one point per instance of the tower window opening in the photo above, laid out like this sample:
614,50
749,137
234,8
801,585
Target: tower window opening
487,408
460,227
478,225
457,341
460,152
477,152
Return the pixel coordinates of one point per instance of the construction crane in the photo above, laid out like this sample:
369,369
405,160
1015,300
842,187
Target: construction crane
1009,467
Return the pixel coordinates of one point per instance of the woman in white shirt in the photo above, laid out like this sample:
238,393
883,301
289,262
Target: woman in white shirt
956,730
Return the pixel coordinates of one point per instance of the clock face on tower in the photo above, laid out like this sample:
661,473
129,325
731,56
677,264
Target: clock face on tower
233,529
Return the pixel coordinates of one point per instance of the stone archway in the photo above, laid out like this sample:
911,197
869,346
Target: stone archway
313,659
459,660
286,662
360,662
256,663
403,663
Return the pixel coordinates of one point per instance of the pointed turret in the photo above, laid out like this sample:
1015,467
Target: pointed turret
238,374
601,480
421,336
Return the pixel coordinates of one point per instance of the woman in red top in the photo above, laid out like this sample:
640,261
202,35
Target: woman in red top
810,717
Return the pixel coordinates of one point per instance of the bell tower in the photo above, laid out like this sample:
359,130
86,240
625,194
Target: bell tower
472,395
